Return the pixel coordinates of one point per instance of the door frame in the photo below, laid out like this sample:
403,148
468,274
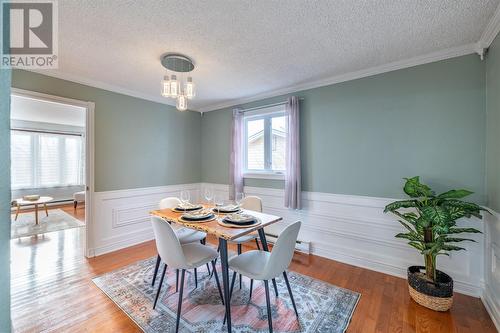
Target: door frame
89,155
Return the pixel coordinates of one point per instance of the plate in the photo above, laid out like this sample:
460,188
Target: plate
187,208
227,209
231,225
198,215
239,218
197,221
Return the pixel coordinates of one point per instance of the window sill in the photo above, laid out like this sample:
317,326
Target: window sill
264,175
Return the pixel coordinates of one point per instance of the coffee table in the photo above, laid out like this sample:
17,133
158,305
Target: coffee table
41,201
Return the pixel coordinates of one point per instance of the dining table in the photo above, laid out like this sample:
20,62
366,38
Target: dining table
223,234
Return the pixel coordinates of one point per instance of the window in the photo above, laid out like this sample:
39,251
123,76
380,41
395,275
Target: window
42,159
264,141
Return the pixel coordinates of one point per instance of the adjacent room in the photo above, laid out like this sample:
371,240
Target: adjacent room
250,166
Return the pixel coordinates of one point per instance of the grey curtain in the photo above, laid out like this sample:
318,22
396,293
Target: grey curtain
292,155
236,158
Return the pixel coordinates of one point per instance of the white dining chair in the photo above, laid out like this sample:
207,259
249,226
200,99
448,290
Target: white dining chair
249,203
181,257
185,236
265,266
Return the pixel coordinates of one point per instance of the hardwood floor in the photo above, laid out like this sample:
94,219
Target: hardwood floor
52,291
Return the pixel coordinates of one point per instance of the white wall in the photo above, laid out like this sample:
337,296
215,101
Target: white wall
491,295
350,229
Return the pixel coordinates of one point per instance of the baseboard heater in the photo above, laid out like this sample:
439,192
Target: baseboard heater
300,245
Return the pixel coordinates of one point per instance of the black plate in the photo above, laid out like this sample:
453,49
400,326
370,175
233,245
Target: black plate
223,211
239,223
187,209
198,219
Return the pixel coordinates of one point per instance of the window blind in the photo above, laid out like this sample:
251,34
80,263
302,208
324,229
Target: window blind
42,159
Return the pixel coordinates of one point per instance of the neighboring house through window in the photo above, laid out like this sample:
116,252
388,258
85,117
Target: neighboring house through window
264,141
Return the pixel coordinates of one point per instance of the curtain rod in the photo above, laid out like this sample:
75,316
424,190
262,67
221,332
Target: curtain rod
45,132
266,106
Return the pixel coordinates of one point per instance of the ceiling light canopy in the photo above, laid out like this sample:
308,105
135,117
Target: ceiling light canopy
176,82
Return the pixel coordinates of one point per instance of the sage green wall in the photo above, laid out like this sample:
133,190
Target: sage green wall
493,125
5,76
363,136
138,143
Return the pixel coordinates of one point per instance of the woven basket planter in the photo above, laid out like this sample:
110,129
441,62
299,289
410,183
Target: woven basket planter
436,296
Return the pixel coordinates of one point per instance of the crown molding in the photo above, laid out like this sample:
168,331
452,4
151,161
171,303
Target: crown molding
415,61
491,31
102,85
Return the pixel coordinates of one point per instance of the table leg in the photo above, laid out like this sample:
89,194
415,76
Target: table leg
17,212
225,280
263,240
36,214
46,211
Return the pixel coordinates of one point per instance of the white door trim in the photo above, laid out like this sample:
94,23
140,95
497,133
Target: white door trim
89,153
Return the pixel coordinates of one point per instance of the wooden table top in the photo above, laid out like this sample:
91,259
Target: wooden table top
214,228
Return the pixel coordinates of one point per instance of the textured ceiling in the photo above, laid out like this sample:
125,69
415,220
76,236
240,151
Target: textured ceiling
246,48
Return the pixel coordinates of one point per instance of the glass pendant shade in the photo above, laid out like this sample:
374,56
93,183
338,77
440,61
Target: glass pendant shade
181,102
165,91
189,88
174,86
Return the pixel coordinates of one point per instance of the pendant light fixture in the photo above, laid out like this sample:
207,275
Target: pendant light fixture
173,84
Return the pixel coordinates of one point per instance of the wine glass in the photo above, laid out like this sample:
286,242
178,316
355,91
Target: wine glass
185,197
219,200
208,193
239,198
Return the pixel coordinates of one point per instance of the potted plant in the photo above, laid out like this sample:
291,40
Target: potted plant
430,221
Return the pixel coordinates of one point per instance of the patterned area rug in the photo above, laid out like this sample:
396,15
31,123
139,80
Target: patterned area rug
322,307
57,220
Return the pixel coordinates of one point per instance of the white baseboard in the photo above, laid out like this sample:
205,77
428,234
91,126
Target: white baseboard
491,305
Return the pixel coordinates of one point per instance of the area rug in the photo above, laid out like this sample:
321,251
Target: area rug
57,220
322,307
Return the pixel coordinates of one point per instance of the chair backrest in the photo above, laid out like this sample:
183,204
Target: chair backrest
282,252
170,202
252,203
168,245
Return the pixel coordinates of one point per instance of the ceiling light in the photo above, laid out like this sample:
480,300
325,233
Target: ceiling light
173,84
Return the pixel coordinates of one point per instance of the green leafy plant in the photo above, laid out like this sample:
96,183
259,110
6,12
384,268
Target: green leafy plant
430,220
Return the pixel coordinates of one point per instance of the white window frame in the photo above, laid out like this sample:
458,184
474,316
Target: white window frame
265,114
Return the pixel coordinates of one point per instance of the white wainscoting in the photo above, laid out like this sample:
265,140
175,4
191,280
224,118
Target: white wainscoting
491,294
121,217
354,230
351,229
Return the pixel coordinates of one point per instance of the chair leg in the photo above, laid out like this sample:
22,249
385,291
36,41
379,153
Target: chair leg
176,280
275,287
195,278
204,242
217,280
179,306
268,302
230,293
75,203
159,286
158,260
290,292
251,288
257,243
239,252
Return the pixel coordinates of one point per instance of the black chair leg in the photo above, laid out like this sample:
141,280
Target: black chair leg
179,306
251,288
176,280
158,260
257,243
195,278
290,292
275,287
239,252
217,280
268,302
230,293
159,286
